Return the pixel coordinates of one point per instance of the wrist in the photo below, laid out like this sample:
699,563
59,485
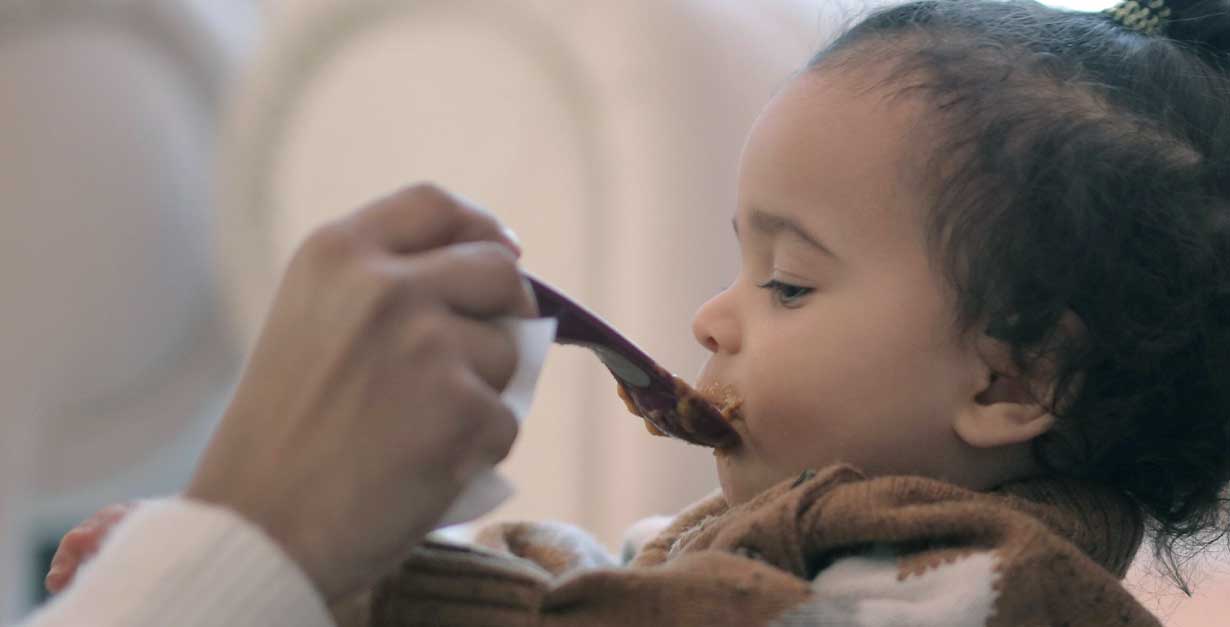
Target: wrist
290,540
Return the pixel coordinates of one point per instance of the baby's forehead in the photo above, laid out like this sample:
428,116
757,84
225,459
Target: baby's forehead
840,144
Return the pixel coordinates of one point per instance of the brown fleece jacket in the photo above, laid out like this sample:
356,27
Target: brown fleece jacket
829,548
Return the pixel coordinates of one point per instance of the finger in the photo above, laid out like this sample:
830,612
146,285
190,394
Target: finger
424,216
494,426
481,347
86,539
58,577
63,566
490,351
76,547
81,543
110,516
478,279
58,580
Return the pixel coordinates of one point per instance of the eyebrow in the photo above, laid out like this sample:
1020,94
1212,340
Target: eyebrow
771,224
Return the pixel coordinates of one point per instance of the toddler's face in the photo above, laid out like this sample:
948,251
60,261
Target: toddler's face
837,332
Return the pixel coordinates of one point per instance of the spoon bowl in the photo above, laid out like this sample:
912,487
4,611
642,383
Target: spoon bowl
668,404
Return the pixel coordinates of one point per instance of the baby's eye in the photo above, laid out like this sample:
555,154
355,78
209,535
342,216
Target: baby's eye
785,294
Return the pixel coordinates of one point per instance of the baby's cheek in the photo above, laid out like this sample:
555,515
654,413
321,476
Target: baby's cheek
788,428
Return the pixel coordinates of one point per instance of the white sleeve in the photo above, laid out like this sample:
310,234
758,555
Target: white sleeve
184,563
869,591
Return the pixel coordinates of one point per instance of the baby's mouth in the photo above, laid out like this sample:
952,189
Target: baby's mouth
725,399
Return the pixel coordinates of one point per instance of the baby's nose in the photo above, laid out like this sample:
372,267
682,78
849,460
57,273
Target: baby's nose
715,326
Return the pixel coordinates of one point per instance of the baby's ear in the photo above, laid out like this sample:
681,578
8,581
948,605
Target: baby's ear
1005,412
1007,407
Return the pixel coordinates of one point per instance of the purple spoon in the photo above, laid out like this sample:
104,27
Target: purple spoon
667,402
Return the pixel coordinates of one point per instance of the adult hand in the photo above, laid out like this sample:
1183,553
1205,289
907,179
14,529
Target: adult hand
372,395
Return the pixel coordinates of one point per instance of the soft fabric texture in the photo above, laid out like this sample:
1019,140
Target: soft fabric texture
184,563
828,548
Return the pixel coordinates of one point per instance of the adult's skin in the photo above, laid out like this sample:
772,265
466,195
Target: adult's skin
372,395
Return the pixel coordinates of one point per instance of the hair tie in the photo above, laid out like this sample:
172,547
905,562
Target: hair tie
1144,16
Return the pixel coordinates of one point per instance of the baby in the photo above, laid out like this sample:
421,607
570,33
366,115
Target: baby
980,342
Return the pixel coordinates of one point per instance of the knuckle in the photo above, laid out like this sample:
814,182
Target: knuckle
500,260
429,338
498,270
457,385
373,284
328,244
429,194
455,397
462,395
426,190
74,542
448,205
477,426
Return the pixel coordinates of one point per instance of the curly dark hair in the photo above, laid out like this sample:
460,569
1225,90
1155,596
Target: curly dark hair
1084,167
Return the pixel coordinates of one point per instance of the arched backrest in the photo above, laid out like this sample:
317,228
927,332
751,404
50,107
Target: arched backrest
605,133
115,356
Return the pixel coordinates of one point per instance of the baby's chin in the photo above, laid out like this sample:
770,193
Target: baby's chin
741,474
743,478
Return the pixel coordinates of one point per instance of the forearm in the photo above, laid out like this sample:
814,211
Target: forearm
184,563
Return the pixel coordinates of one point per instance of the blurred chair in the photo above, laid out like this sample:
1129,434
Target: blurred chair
606,133
115,355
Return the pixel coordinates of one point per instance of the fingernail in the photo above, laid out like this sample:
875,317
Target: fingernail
54,576
512,237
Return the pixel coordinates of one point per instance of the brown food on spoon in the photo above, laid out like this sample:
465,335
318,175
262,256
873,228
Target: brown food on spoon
729,405
635,411
723,398
687,408
654,431
623,396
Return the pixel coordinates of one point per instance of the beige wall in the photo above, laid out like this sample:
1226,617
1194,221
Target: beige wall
1209,605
